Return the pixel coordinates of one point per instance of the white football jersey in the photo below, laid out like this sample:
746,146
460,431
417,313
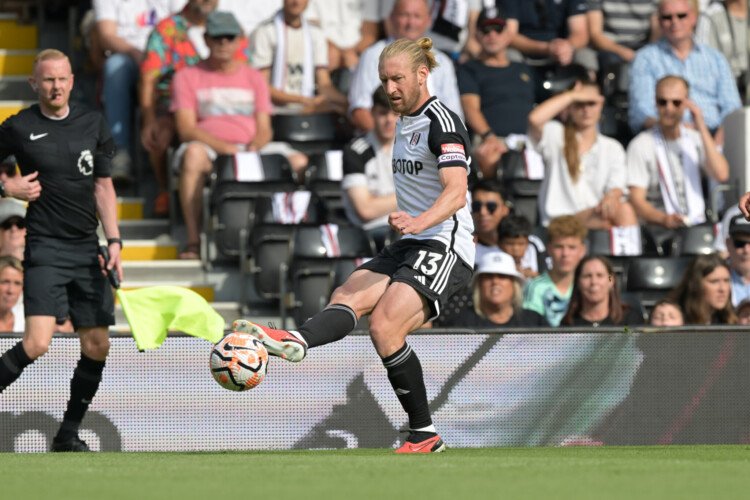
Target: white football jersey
430,139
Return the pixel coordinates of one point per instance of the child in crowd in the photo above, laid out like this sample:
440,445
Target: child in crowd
667,313
514,238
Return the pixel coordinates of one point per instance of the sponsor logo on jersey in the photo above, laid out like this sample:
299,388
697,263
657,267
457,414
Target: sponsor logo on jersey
34,137
451,157
410,167
86,162
452,148
415,138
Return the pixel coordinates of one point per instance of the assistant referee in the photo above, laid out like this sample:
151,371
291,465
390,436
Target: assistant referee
64,152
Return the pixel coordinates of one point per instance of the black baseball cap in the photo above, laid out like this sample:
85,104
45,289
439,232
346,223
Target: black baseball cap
490,16
739,225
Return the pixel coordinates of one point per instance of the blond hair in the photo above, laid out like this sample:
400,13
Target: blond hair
566,226
49,54
10,261
419,52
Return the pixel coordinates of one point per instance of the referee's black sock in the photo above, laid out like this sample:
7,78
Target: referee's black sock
83,386
12,363
405,375
331,324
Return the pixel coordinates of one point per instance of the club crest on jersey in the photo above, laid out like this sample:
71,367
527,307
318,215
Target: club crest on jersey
86,162
415,138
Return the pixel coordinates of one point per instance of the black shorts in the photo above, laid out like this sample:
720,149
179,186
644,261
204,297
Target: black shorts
425,265
63,279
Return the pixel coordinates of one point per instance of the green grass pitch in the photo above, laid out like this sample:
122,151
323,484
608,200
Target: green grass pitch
679,472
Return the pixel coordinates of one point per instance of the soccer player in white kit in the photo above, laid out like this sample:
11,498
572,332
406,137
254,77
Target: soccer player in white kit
406,284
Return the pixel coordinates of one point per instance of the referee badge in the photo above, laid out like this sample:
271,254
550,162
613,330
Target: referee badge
86,162
415,138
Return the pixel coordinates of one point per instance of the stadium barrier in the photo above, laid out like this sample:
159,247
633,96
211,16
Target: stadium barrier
519,388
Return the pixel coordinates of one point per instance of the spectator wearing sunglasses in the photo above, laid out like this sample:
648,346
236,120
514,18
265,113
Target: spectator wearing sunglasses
665,164
488,208
222,106
496,94
12,228
676,53
738,246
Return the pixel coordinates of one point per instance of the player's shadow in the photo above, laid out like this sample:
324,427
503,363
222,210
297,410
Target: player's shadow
357,423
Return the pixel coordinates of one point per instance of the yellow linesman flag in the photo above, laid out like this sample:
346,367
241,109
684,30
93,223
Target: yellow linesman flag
155,310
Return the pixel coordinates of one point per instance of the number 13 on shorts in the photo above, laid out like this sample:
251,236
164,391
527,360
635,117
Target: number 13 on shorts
427,262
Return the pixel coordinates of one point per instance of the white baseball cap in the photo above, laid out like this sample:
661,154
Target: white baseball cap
498,262
11,208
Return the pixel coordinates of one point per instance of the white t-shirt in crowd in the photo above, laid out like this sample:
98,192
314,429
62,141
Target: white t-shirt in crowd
263,46
441,83
251,13
340,20
603,168
136,18
643,170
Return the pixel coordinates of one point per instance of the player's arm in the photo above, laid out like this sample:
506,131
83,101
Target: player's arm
106,207
455,185
25,187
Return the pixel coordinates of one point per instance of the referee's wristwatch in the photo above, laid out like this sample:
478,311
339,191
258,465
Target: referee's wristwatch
111,241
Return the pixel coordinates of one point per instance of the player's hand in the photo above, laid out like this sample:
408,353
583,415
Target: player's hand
744,205
403,223
25,187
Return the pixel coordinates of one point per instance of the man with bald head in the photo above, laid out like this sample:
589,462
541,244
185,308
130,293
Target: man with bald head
64,152
409,19
705,69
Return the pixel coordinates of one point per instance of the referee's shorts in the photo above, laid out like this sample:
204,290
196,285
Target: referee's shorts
63,279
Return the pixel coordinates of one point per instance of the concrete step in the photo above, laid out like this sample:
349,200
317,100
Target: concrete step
10,108
16,88
162,248
230,311
202,288
17,36
167,270
144,229
129,208
16,62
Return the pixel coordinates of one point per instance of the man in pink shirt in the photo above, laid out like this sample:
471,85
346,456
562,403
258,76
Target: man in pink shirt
222,106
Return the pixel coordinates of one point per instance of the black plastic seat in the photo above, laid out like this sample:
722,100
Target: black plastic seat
653,277
694,240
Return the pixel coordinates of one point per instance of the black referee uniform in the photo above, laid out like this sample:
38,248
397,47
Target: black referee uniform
62,274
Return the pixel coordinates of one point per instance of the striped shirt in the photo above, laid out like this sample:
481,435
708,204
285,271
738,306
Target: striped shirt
627,22
426,141
712,85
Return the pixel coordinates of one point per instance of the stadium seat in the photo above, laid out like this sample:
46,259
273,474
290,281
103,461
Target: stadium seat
310,133
314,274
694,240
653,277
323,178
229,204
634,301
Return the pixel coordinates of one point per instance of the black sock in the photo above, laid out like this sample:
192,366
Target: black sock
331,324
405,375
83,386
12,363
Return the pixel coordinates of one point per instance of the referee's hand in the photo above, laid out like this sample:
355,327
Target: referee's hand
23,187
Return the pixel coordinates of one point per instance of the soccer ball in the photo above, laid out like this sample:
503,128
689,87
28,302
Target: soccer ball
239,362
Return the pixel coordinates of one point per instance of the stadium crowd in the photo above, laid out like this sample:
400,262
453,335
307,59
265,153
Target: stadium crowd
590,119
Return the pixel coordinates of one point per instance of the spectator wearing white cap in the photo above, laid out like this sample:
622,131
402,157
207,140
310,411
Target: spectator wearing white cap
738,247
12,228
497,297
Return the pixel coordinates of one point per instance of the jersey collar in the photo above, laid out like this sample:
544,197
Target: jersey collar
423,106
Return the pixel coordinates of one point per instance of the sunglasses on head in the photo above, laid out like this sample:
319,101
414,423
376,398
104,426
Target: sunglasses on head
740,243
494,27
222,38
661,102
671,17
13,221
476,206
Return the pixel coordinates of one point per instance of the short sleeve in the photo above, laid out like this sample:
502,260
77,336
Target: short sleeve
617,165
365,79
577,7
638,170
467,81
183,95
105,10
448,140
262,93
105,149
154,58
320,46
263,45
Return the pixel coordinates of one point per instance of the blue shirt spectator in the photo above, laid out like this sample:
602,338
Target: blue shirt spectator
712,85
